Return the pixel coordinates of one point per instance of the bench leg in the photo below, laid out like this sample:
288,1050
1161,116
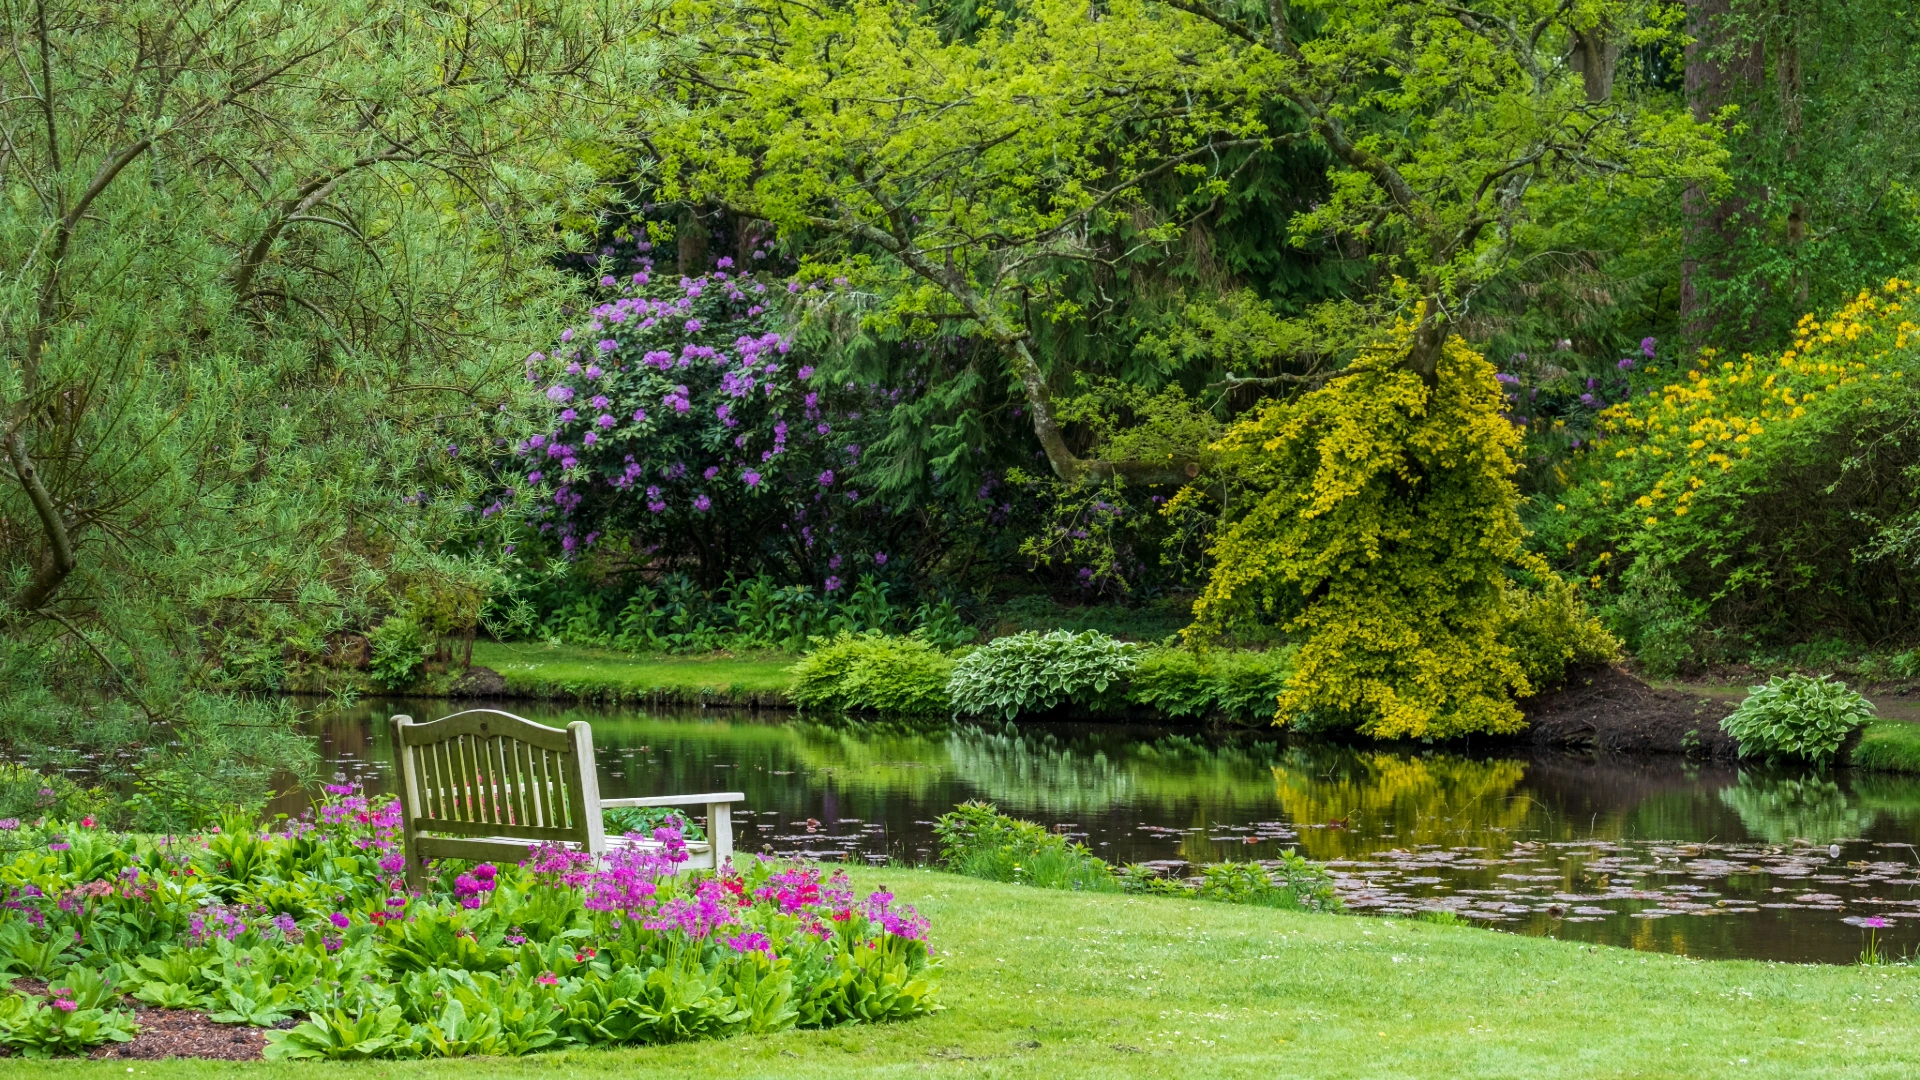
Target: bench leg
720,834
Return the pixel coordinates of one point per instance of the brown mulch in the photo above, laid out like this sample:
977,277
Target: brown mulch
1605,708
172,1033
185,1033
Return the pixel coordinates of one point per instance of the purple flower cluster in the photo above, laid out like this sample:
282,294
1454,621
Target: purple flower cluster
675,409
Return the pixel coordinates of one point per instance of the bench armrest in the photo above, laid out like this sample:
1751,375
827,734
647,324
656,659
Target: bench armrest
678,800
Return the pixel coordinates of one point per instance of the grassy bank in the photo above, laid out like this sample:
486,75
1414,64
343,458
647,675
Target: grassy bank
1057,984
573,673
1890,744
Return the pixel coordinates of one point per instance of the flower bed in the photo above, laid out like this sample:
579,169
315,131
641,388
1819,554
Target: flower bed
308,921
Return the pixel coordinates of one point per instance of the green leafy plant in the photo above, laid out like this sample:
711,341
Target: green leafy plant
1797,717
902,675
1035,672
399,652
336,1036
1185,682
78,1015
621,820
979,841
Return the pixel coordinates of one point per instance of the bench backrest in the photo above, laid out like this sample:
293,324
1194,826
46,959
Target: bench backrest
486,773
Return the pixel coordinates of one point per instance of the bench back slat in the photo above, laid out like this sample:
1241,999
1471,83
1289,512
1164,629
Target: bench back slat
490,773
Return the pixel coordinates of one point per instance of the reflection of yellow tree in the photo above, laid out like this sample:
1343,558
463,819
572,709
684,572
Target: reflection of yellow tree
1431,799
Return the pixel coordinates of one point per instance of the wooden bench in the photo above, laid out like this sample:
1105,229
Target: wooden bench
489,785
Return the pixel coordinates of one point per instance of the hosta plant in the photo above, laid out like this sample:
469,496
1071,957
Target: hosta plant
1034,673
1797,717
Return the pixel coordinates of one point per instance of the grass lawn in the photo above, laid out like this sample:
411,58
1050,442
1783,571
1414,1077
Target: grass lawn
1889,744
568,671
1070,985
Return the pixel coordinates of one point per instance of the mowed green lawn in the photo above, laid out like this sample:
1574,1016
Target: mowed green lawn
570,671
1064,986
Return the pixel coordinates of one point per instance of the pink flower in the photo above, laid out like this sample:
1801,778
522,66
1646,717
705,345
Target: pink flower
547,978
340,919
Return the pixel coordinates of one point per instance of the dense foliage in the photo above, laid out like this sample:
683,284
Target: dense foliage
307,919
1382,526
1738,502
872,672
270,268
1797,718
979,841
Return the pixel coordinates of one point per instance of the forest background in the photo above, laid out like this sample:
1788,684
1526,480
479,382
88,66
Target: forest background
1425,338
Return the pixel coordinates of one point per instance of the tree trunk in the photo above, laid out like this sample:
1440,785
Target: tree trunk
690,239
1719,71
1596,56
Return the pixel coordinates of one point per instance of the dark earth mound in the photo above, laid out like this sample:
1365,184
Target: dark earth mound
1604,708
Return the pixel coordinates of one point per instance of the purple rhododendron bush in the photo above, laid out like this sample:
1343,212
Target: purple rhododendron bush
311,920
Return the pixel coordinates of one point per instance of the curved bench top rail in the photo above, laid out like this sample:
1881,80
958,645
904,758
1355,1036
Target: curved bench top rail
486,723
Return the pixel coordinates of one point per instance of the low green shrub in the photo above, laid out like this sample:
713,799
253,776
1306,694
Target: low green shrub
1797,717
1550,630
1238,685
1035,673
902,675
399,647
976,840
1291,883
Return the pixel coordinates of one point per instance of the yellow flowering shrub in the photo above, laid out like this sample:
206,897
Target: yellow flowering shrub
1384,530
1757,494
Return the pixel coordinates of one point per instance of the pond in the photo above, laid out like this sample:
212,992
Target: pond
1666,855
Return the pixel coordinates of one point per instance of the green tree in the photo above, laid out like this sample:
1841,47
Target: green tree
270,269
959,173
1825,180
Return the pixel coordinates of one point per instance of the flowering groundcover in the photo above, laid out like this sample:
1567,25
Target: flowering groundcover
310,920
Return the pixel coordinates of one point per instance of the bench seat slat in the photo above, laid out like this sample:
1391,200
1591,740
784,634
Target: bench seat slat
678,800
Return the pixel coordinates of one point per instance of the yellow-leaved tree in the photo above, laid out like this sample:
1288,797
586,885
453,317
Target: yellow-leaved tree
1382,526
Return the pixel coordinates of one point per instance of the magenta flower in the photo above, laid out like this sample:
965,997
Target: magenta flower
1646,347
879,558
693,326
702,504
833,584
826,478
752,478
340,919
607,281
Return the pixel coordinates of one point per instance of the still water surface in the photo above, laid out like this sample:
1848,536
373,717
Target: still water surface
1657,854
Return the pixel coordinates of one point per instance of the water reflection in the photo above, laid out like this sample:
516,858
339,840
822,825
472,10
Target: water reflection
1656,854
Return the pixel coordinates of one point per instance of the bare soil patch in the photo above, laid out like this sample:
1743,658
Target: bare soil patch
1605,708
